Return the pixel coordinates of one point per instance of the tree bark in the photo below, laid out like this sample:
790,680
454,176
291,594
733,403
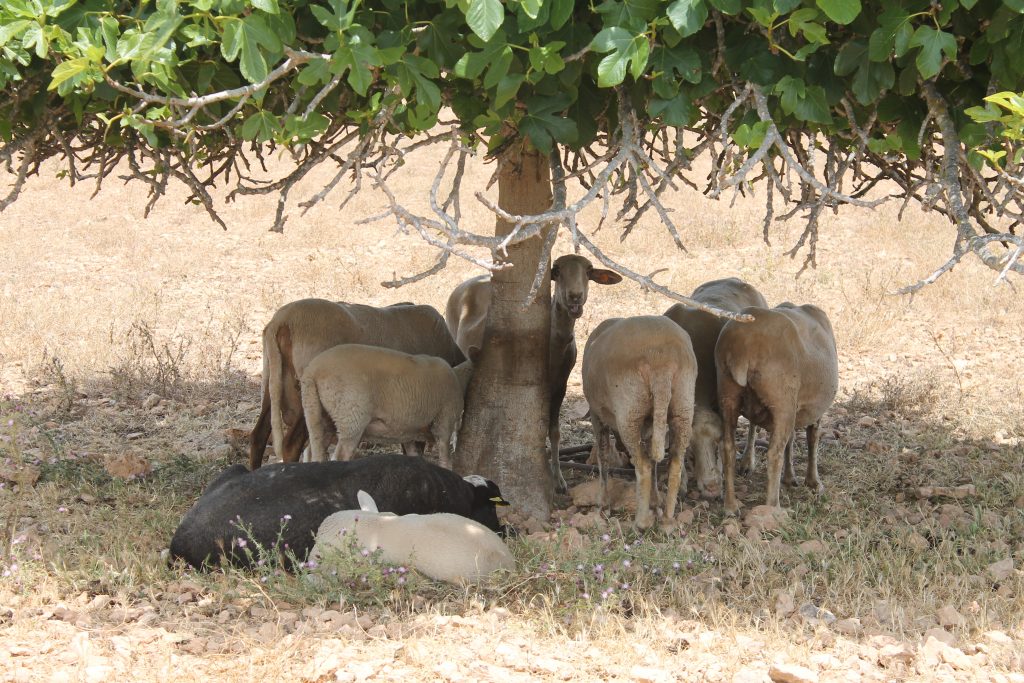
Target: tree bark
506,417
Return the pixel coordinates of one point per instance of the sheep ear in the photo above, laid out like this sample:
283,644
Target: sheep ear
604,277
499,501
473,353
366,502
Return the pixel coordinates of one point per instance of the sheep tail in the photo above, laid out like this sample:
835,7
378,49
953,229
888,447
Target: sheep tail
739,368
661,394
274,367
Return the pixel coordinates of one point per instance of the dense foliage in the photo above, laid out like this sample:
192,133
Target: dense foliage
882,88
544,66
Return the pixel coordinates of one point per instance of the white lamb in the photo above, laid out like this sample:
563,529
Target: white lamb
443,546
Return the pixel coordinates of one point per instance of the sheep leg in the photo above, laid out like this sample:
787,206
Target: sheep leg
644,465
294,440
346,448
443,443
782,432
314,411
748,461
812,481
414,448
260,434
597,453
555,438
788,471
729,399
676,470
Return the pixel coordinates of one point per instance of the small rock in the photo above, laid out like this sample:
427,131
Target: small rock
766,518
997,637
784,604
792,673
127,466
731,528
948,616
813,547
648,674
685,517
812,613
867,421
22,475
1001,570
941,635
621,494
587,520
916,541
151,401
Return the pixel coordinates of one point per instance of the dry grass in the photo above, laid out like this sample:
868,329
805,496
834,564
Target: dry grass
124,335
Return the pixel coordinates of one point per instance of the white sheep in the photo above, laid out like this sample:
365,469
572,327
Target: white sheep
639,374
385,395
466,315
728,294
443,546
782,372
302,329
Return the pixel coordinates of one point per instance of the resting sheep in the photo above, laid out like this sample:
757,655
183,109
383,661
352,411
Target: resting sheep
443,546
728,294
466,315
280,506
639,373
301,330
382,394
782,372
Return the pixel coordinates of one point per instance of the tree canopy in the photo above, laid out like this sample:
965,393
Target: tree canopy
817,100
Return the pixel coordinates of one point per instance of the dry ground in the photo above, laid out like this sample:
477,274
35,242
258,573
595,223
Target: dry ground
131,343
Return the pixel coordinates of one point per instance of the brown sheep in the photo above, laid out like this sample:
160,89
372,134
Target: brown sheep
466,315
639,374
303,329
728,294
385,395
782,372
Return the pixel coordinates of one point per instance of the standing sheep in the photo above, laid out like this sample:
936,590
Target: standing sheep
387,395
639,374
466,315
441,545
301,330
782,372
728,294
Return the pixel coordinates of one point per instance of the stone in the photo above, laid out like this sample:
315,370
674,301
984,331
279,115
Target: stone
621,494
1001,570
766,518
940,634
811,613
784,604
127,466
813,547
792,673
948,616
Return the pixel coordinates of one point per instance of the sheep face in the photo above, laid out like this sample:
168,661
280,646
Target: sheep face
486,499
573,275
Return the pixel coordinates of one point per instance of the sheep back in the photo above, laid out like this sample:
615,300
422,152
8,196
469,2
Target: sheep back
252,505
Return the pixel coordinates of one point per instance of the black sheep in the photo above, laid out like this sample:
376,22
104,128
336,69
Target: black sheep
281,506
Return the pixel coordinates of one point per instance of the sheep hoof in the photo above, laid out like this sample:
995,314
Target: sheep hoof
815,486
744,466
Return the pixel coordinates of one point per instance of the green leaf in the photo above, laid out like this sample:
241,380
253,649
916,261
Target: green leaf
840,11
1015,5
933,44
624,48
508,88
261,126
894,31
499,67
243,39
561,10
531,7
66,70
317,72
484,17
677,111
849,58
731,7
750,136
268,6
687,16
14,28
871,79
807,103
785,6
34,36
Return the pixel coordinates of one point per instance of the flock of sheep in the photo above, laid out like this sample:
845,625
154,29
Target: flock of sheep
676,382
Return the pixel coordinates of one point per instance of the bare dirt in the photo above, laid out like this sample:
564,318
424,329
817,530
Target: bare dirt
129,363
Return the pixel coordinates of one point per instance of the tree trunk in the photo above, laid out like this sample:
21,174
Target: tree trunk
506,418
